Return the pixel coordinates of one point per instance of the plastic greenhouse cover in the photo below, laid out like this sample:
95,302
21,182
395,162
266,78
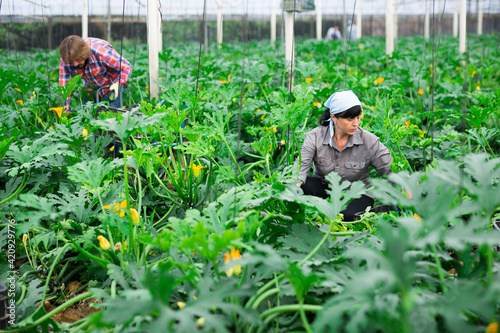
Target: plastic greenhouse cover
175,9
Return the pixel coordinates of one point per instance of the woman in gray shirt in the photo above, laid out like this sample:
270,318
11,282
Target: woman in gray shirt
340,145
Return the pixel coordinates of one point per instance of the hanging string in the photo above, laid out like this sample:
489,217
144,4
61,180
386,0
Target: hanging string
291,75
433,71
121,51
14,43
47,56
136,37
348,44
293,54
199,54
245,50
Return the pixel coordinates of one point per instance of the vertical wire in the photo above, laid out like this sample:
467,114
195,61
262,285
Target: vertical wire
433,71
348,44
136,36
46,55
245,50
121,53
201,40
14,42
291,78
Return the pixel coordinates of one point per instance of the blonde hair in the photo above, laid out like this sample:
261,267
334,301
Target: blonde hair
74,48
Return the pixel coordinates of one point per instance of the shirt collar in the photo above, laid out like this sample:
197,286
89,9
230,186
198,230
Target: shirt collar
354,139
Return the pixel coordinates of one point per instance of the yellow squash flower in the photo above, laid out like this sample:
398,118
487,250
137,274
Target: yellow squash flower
420,91
117,208
228,256
181,304
492,328
104,243
18,89
20,101
316,104
309,79
223,81
407,123
58,110
380,80
196,169
473,73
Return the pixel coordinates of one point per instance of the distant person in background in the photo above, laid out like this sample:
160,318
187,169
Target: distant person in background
333,34
351,31
99,65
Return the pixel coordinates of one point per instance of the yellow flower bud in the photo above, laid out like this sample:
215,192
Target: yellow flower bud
200,323
104,243
181,305
135,216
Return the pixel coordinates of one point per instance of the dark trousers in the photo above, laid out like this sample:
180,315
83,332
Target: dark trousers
317,187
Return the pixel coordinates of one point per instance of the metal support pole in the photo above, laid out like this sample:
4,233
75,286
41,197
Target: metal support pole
273,22
153,18
219,24
480,18
427,21
108,23
463,27
319,20
389,27
359,20
289,40
85,19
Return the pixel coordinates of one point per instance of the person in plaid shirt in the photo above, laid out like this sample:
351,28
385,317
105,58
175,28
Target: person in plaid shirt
99,65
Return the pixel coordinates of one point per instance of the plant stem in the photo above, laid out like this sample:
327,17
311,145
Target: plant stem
291,308
320,244
55,311
234,158
19,189
439,268
264,296
56,260
303,316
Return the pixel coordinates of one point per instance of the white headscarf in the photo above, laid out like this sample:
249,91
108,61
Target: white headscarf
339,102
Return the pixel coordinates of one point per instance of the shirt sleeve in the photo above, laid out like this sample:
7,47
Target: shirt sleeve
307,153
112,59
381,158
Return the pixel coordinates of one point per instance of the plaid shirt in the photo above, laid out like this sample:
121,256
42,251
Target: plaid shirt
103,67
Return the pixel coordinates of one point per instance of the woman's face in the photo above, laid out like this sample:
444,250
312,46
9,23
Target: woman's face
346,125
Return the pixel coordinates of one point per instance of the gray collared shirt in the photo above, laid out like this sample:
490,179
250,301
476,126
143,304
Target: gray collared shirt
361,150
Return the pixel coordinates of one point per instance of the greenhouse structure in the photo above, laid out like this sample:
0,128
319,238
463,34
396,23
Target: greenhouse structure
250,166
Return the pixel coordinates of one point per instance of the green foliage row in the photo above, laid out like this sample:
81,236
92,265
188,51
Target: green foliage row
185,215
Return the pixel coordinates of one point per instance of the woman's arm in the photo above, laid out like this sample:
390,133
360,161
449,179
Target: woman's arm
307,152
